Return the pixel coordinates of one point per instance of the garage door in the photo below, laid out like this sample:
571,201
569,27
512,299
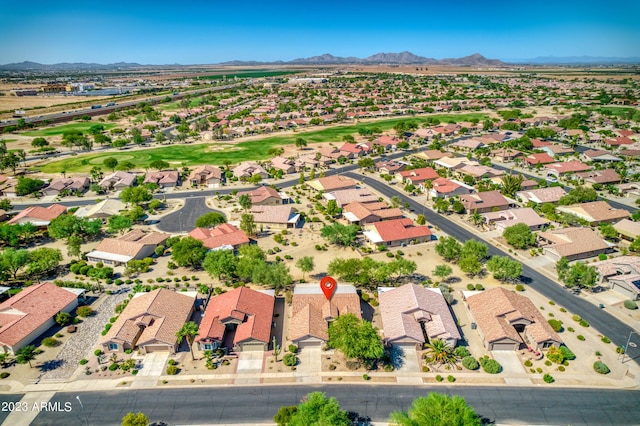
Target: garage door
503,347
310,344
252,347
156,348
628,293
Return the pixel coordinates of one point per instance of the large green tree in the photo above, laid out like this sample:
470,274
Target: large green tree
344,235
315,410
355,338
305,264
220,264
135,195
12,261
449,248
43,260
504,268
437,410
188,252
519,236
210,220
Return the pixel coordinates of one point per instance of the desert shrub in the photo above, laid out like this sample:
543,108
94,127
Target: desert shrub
114,366
519,287
528,363
365,297
365,376
555,355
479,287
566,353
425,369
539,370
600,367
4,375
605,339
290,360
547,378
556,325
570,329
630,304
490,366
580,337
84,311
552,303
533,370
470,287
97,352
388,368
470,363
584,323
172,370
374,303
577,318
450,378
50,342
563,310
547,363
172,362
293,348
353,365
83,361
462,352
561,368
439,378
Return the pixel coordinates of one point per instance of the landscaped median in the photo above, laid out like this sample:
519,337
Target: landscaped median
219,152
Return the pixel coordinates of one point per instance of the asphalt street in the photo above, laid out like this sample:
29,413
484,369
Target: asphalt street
598,318
246,405
184,219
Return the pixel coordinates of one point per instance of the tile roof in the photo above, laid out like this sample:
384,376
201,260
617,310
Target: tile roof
539,158
495,311
130,244
600,176
206,172
483,200
28,310
252,309
621,265
568,167
311,311
69,184
118,178
595,211
166,177
573,241
220,236
399,229
39,215
511,217
332,183
628,228
542,195
161,312
261,194
347,196
273,214
403,308
419,175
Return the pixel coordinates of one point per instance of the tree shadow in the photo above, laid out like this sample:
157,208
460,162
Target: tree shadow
397,357
51,365
357,419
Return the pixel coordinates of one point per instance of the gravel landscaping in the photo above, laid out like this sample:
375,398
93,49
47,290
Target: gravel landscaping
84,340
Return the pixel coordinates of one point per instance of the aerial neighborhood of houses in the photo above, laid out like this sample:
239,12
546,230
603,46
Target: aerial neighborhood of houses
456,212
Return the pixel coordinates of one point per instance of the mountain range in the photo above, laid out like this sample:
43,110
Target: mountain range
402,58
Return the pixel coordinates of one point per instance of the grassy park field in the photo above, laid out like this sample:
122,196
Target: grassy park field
59,130
235,152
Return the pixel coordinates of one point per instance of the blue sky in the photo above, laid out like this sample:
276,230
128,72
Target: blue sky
201,32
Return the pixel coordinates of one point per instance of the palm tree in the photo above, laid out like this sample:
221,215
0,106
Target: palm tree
440,352
26,355
428,186
512,184
476,218
189,331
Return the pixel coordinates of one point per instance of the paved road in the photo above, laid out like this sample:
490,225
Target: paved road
606,324
244,405
184,220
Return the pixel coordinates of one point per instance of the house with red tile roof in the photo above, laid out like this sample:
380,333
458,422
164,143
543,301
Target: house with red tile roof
135,244
603,177
70,185
412,311
387,142
396,232
506,218
417,176
619,141
445,188
38,216
390,167
509,321
539,158
558,169
483,202
224,236
211,176
311,312
28,314
163,178
150,322
238,320
361,214
352,150
264,196
332,183
347,196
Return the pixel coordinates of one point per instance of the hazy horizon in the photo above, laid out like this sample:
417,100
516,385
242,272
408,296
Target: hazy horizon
206,33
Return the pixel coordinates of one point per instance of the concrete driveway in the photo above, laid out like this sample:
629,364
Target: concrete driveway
512,369
184,220
309,368
249,367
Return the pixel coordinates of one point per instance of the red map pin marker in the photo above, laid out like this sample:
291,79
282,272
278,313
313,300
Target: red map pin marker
328,286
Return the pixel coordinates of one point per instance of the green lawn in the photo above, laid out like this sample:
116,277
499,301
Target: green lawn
218,152
250,74
58,130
